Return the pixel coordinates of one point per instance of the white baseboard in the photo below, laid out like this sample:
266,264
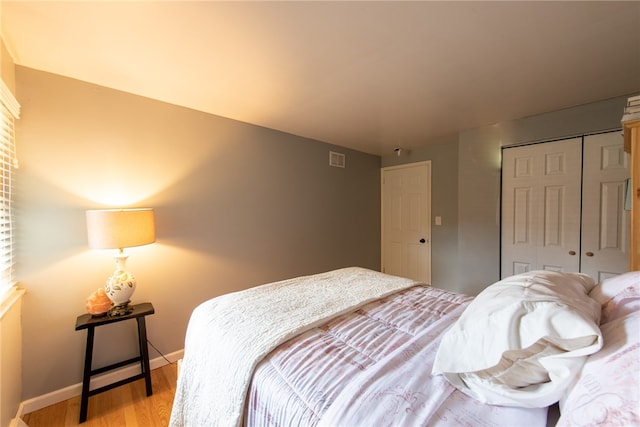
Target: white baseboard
17,422
57,396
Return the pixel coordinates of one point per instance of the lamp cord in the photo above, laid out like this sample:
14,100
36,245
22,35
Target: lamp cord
159,352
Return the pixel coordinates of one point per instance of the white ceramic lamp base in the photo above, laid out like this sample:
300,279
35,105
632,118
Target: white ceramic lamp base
119,287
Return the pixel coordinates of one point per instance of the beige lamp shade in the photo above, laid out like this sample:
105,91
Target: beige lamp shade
120,228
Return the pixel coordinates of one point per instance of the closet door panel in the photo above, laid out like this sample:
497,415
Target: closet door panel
541,199
605,223
561,185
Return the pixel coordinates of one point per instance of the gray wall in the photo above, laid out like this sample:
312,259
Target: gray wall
236,206
473,261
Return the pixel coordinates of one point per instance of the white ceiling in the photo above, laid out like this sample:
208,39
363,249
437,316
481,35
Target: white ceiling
364,75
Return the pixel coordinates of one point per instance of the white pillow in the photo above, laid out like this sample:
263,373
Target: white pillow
522,339
618,295
607,392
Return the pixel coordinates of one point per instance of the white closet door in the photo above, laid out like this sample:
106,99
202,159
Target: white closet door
541,207
605,223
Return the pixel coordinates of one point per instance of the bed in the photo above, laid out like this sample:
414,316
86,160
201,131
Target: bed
355,347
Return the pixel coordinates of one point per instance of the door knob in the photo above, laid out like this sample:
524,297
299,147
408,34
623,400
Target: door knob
422,241
589,254
572,253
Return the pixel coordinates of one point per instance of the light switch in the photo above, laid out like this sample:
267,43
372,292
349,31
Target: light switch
438,220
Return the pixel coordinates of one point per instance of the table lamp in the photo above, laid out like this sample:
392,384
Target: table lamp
119,229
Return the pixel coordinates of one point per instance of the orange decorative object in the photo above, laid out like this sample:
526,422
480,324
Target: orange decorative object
98,303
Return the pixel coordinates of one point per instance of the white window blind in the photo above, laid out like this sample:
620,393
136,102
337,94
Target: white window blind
9,112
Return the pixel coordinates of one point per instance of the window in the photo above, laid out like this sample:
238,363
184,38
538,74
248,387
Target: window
9,111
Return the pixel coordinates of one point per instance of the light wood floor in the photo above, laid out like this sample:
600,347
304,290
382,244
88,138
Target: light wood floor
125,406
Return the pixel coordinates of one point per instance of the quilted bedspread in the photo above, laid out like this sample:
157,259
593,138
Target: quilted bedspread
228,335
372,367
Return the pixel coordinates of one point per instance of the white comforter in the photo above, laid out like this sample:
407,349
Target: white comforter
523,340
241,328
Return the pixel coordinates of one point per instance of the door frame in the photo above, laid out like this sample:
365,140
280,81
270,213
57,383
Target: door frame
429,210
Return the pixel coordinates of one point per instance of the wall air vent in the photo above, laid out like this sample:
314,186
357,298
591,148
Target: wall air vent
336,159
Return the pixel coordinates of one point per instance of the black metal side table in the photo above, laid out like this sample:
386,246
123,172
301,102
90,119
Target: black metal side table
88,322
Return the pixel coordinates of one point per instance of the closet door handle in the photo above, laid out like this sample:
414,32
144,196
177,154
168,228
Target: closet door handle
572,253
589,254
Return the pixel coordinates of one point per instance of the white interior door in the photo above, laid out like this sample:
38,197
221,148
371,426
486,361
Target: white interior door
541,186
605,223
406,221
